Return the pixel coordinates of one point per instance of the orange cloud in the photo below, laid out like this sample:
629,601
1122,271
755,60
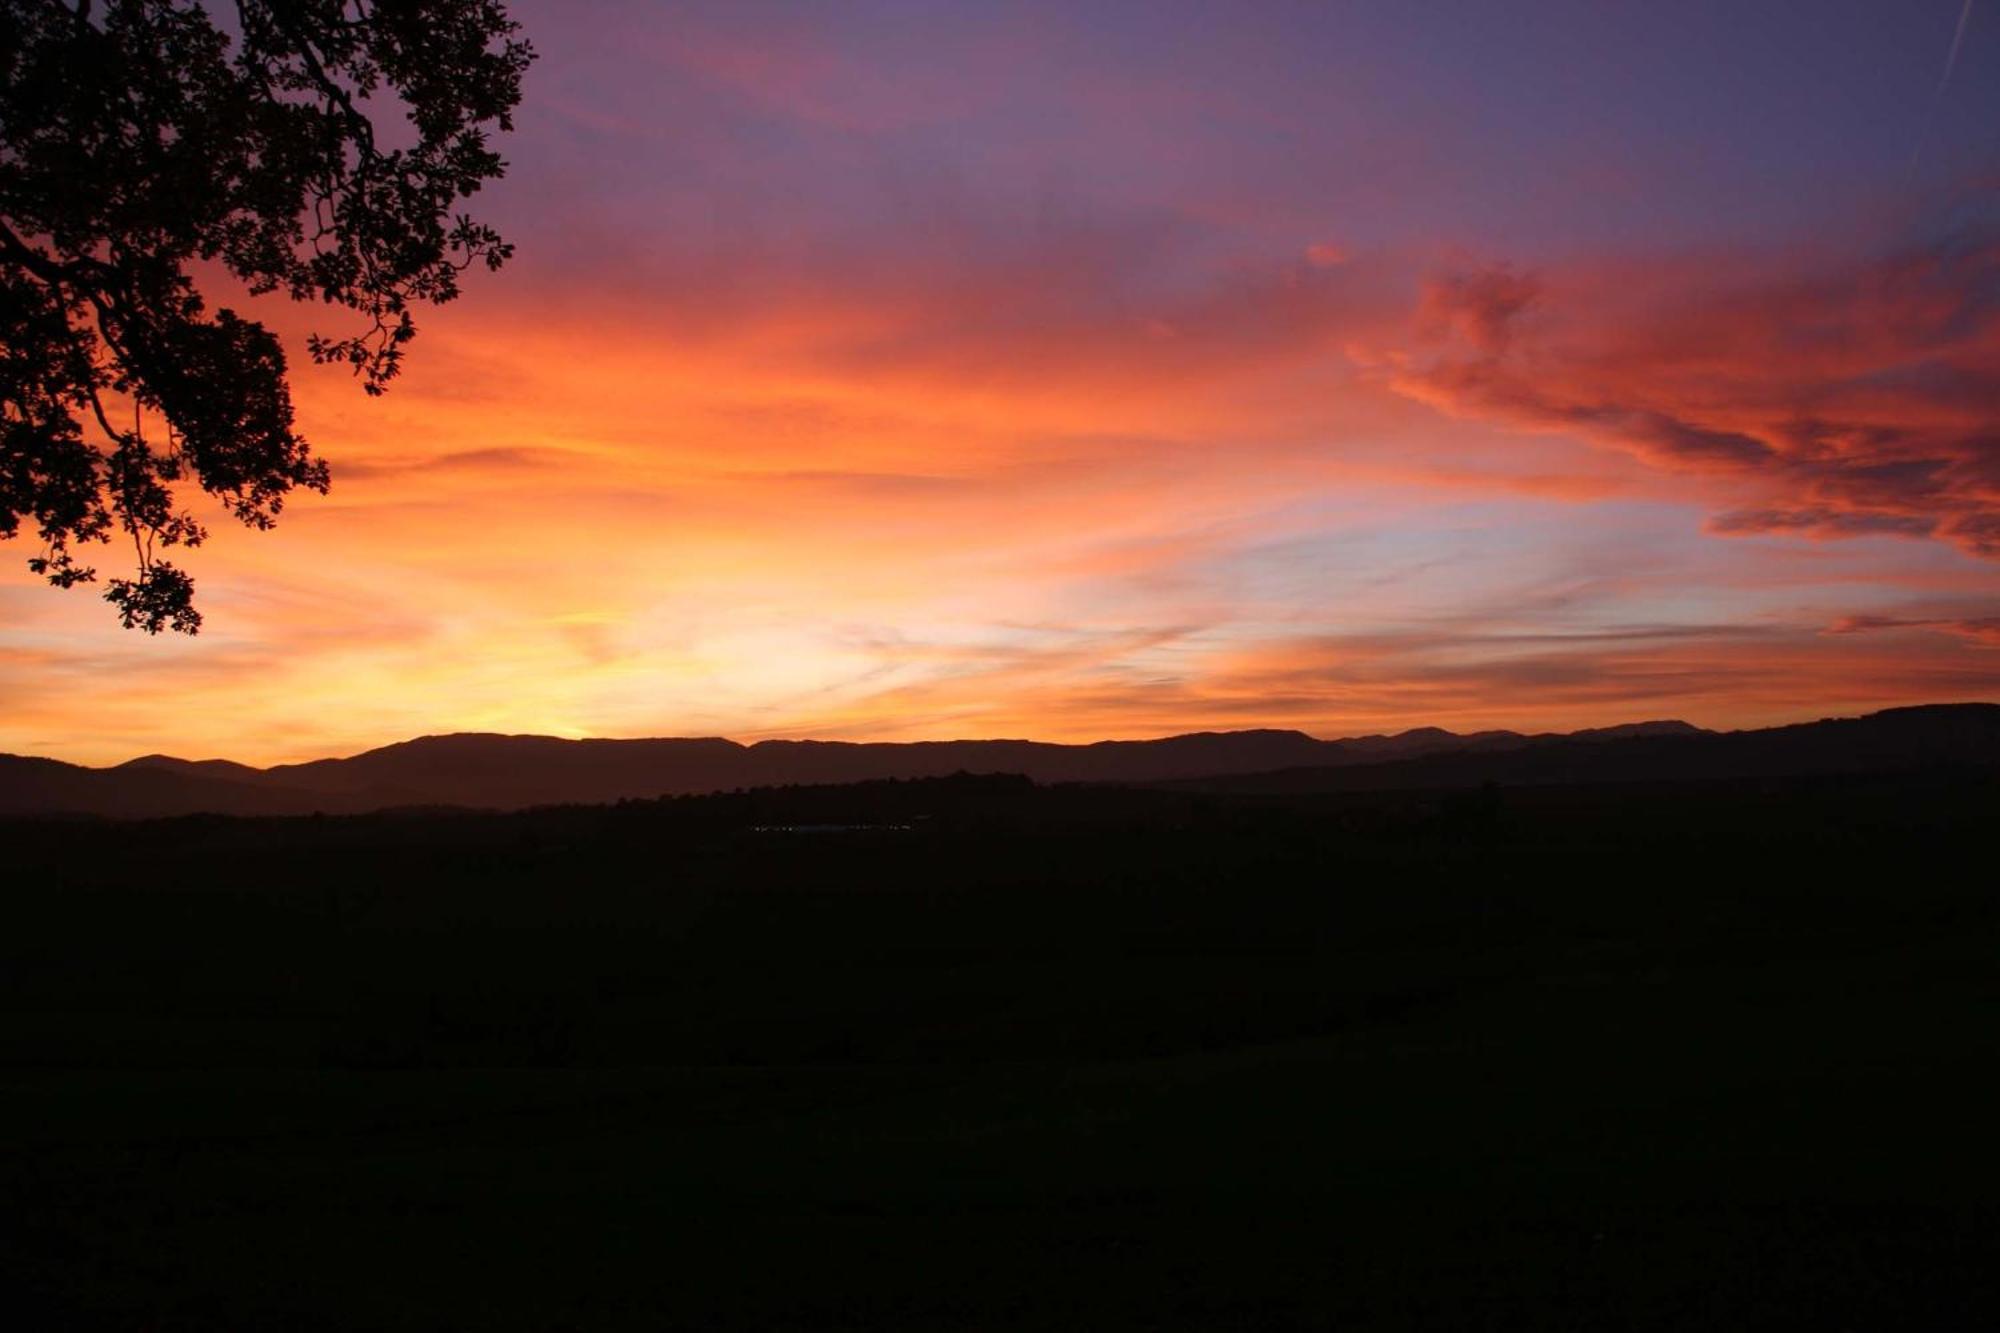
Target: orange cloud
1336,685
1975,629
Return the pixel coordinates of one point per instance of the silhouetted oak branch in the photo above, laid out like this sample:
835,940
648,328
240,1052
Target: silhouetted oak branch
313,147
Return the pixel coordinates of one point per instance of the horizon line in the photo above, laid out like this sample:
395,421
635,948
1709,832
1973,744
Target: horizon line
1005,740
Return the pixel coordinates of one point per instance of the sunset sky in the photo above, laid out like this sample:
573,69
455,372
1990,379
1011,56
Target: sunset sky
1086,370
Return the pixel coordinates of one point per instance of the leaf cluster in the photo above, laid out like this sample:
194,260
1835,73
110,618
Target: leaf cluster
315,148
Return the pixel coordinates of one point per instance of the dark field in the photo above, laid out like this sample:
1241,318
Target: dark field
1700,1056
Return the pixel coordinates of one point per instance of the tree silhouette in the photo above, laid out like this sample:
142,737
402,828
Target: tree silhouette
311,147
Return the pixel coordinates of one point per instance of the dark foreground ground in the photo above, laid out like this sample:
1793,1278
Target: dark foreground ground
1714,1056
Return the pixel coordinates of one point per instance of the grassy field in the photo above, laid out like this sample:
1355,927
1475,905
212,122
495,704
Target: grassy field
1696,1057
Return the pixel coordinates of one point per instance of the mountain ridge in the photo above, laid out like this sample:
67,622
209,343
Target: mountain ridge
512,771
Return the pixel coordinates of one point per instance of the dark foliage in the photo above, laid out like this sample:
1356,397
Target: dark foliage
141,139
974,1053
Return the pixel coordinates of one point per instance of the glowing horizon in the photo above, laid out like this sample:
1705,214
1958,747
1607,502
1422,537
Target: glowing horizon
938,373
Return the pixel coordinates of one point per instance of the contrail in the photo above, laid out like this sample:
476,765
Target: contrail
1937,98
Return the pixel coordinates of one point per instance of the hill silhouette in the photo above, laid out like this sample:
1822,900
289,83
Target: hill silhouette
1892,740
516,772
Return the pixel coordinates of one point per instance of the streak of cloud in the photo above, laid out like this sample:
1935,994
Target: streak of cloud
1937,97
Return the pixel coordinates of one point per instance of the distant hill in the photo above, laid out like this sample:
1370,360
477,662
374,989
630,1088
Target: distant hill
513,772
1896,739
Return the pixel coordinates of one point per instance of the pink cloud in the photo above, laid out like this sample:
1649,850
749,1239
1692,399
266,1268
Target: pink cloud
1857,400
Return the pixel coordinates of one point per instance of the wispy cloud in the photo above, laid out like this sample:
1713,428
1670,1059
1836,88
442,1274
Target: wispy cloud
1853,400
1984,630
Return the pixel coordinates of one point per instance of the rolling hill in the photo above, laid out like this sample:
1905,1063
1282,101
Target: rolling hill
515,772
